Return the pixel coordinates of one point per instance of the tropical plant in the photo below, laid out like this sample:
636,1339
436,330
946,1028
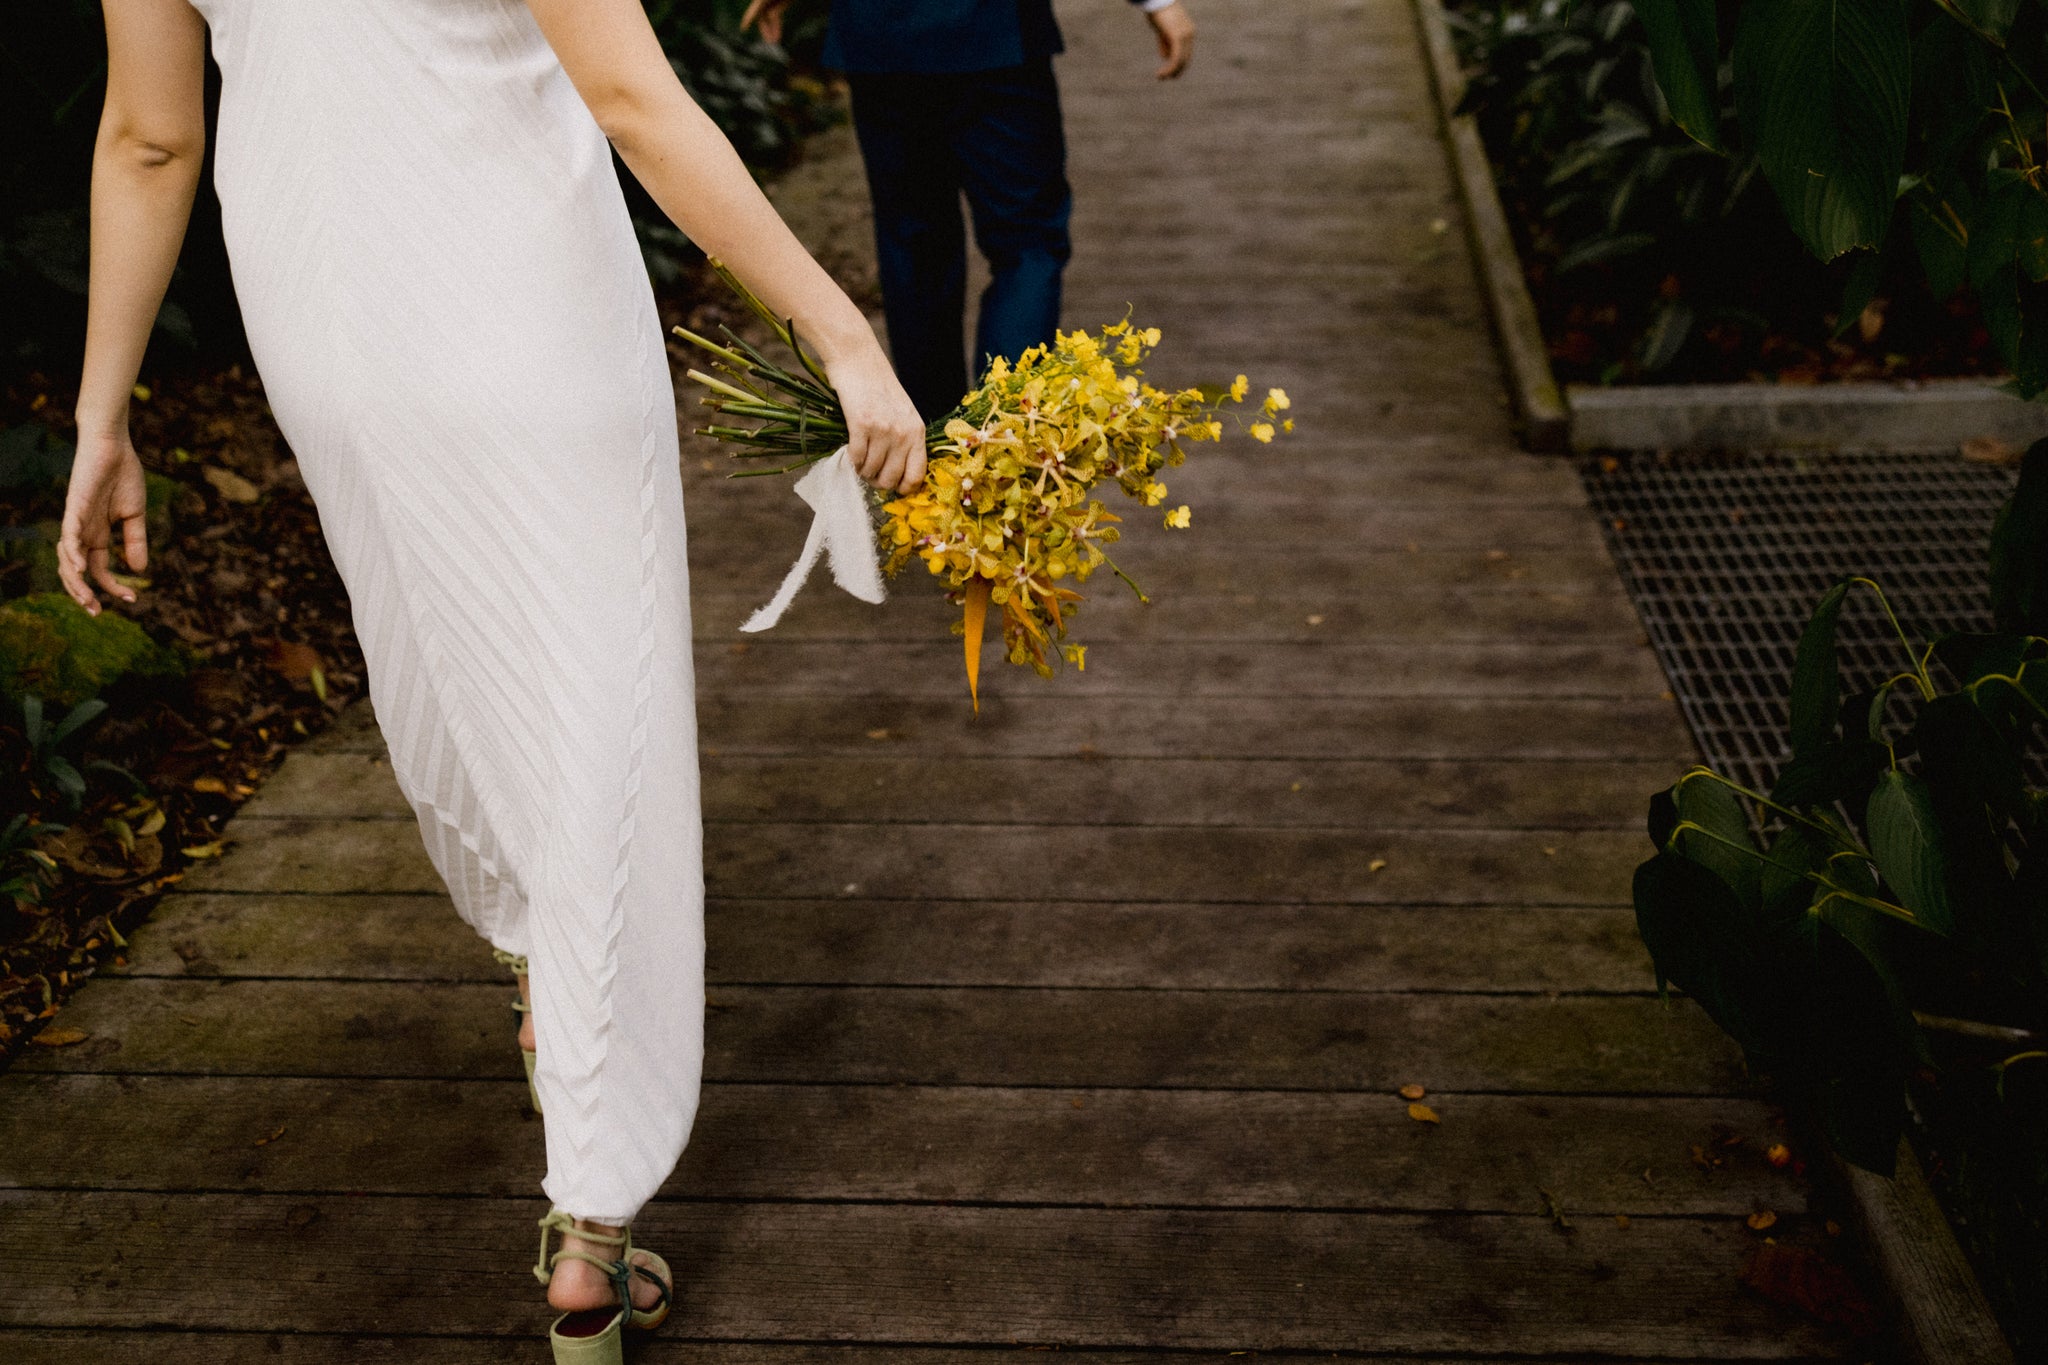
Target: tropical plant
1886,126
1894,881
1613,198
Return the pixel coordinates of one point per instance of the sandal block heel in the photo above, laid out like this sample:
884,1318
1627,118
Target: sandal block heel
577,1338
572,1347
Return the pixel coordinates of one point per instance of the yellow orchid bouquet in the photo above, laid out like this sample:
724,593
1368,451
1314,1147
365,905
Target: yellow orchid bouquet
1006,515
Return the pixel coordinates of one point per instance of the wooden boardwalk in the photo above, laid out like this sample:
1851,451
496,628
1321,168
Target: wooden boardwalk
1075,1025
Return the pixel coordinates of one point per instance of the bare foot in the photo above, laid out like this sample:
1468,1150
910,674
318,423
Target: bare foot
577,1285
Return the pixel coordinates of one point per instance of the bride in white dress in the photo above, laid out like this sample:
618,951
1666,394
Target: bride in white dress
455,330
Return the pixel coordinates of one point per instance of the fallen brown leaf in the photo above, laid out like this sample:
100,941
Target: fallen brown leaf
1422,1113
1762,1220
1808,1281
292,659
210,783
229,484
1989,450
60,1037
1412,1091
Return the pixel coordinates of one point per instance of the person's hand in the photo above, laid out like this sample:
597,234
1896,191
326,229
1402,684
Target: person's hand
768,14
106,490
1173,26
885,436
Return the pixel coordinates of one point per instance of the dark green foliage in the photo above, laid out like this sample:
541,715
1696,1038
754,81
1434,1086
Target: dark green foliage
1825,950
1905,137
1829,951
1618,193
1866,112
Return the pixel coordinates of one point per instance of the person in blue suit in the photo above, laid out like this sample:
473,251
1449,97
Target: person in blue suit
953,98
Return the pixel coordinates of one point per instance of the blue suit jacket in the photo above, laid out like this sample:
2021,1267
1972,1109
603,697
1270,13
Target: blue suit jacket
938,35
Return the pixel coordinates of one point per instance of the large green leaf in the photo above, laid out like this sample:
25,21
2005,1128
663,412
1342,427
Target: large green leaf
2019,550
1726,845
1992,16
1905,838
1787,887
1822,89
1701,938
1685,50
1816,677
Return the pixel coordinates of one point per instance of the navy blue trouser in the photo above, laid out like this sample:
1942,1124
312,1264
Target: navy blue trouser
996,137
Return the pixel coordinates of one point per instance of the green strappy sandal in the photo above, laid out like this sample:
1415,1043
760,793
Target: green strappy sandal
518,965
596,1336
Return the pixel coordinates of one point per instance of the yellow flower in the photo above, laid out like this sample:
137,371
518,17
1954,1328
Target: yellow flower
1239,387
1262,432
1179,517
1277,400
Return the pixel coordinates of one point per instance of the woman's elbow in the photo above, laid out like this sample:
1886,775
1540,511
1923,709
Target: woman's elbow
151,147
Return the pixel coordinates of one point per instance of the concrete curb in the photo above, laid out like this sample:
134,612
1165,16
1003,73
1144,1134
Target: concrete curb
1930,415
1540,407
1936,414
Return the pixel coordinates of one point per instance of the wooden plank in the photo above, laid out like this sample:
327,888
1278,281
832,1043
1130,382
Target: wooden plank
1044,724
69,1347
1215,668
1187,566
1942,1315
957,1275
1415,470
890,785
1333,1040
1101,1148
949,943
1509,614
1074,862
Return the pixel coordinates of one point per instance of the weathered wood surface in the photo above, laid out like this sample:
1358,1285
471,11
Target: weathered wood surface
29,1347
973,862
1096,1146
852,941
887,787
1120,1277
1286,1039
1071,1023
1044,725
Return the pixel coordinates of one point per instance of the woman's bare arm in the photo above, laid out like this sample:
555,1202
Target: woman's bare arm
145,168
612,56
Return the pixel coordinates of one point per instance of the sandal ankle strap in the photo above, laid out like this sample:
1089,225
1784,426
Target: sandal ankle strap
620,1272
516,961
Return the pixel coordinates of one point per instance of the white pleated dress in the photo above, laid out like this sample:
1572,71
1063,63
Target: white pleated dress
456,332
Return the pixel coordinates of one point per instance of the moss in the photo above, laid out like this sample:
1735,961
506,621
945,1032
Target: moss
51,646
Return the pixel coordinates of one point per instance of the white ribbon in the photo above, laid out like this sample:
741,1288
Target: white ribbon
841,531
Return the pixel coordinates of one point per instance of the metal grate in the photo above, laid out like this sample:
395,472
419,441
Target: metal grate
1725,556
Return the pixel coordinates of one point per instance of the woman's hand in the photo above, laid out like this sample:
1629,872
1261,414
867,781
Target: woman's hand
106,490
885,436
